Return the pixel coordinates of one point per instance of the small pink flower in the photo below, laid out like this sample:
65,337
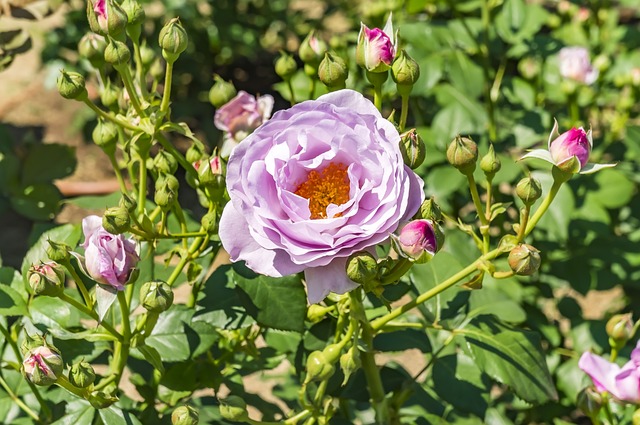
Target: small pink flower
575,64
240,116
109,259
417,240
376,47
623,383
569,151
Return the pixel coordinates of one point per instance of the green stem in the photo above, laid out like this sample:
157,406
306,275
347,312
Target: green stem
377,79
312,88
124,72
91,313
486,27
64,383
166,93
18,401
399,269
181,235
558,180
381,321
139,67
292,99
188,167
369,367
121,352
476,199
116,169
110,117
142,185
405,112
524,221
184,260
574,109
79,283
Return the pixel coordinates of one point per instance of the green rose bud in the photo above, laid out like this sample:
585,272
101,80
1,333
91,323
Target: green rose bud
332,352
524,260
117,53
490,164
91,47
71,86
316,313
318,368
312,50
128,203
166,191
46,279
42,365
116,220
134,11
234,409
165,163
333,71
589,401
173,40
529,190
430,210
195,152
156,296
405,72
105,135
109,95
285,66
58,251
620,329
82,374
147,55
157,69
529,67
220,93
462,153
101,400
412,148
209,222
349,363
362,267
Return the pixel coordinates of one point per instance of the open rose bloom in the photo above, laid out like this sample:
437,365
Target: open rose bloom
574,63
314,184
569,151
621,382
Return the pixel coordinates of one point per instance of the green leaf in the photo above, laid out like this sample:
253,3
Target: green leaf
54,313
39,201
95,202
48,162
114,416
458,381
77,412
613,190
68,233
12,302
402,340
280,303
511,356
151,355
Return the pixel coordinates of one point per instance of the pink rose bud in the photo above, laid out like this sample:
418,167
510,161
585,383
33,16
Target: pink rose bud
106,17
42,365
376,47
571,143
240,116
417,240
46,279
575,64
109,259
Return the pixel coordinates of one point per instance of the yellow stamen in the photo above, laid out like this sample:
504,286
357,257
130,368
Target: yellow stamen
325,187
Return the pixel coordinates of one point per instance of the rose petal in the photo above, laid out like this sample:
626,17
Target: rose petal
330,278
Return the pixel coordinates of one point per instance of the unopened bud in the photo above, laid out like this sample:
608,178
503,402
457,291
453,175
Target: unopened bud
589,401
58,251
529,67
166,191
333,71
173,40
234,409
116,220
620,329
316,313
117,53
157,69
362,267
134,11
128,203
524,260
71,85
490,164
312,50
285,66
209,222
156,296
101,400
430,210
82,374
221,92
196,152
318,368
42,365
106,17
109,95
91,47
529,190
30,342
46,279
332,353
349,363
412,148
147,55
165,163
105,135
417,241
405,72
462,153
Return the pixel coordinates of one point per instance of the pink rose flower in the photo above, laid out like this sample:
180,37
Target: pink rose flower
569,151
240,116
417,240
314,184
376,47
622,382
109,259
575,64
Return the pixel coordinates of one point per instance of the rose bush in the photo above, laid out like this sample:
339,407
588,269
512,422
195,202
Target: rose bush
313,185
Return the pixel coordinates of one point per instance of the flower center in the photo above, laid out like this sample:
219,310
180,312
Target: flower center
325,187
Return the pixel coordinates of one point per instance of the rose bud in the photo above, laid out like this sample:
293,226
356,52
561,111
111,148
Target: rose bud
318,368
589,401
221,92
117,53
430,210
490,164
620,329
316,313
575,64
156,296
529,67
101,400
312,50
109,95
46,279
134,11
362,267
376,47
349,363
412,148
71,86
128,203
42,365
166,191
524,260
165,163
185,415
30,342
285,66
147,55
233,408
105,135
529,190
91,47
109,259
106,17
82,374
418,240
58,251
333,71
116,220
405,72
209,222
462,153
173,40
